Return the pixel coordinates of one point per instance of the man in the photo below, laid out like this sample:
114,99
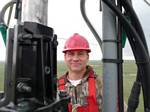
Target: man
80,81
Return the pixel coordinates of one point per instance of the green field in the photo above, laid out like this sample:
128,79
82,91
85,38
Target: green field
129,71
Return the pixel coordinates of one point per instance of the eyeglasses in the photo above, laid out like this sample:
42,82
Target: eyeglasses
79,54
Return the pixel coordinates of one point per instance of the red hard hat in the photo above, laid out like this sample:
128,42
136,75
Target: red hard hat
76,42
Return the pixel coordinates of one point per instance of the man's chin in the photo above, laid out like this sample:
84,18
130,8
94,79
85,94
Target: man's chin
76,69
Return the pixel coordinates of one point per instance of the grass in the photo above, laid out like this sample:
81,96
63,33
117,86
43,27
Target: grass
1,76
129,71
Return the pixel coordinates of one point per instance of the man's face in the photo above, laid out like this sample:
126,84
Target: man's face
76,60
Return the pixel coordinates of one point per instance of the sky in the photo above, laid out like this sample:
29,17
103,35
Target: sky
65,18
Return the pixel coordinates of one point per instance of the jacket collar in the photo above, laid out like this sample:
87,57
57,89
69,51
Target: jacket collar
89,69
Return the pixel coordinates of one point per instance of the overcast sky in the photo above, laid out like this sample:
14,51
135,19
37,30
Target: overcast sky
65,17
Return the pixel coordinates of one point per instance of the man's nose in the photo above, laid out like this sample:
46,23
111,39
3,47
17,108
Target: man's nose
76,57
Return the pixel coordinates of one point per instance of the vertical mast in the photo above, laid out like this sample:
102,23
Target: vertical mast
35,11
110,75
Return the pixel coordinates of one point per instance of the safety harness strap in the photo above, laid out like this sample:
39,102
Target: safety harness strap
91,84
61,83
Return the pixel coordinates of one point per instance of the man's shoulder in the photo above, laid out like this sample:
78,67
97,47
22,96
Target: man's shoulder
62,76
99,80
98,77
61,80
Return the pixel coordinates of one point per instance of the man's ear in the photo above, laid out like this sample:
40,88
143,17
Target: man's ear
64,56
88,55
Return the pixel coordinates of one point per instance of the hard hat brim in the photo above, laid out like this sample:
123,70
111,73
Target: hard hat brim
80,49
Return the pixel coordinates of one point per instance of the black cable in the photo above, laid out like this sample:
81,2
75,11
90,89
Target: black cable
18,9
131,32
134,21
120,67
133,100
136,88
128,28
3,11
82,8
43,72
143,72
134,97
9,15
148,3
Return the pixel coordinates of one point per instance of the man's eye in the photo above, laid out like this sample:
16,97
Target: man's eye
70,54
81,53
